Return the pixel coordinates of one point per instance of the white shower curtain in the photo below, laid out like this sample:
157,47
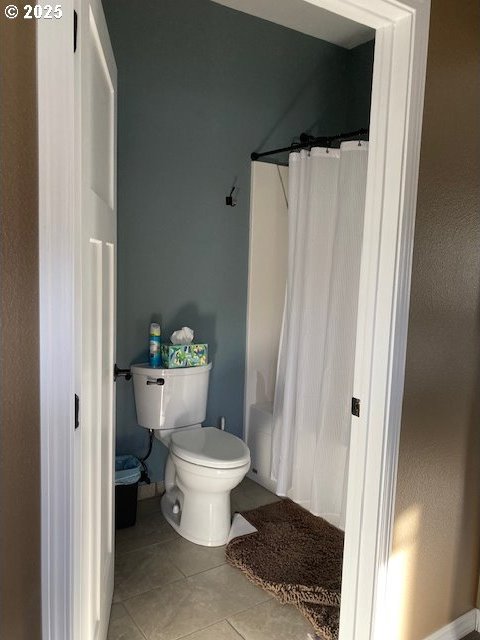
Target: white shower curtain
312,406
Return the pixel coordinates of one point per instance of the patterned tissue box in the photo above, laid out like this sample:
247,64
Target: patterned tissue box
175,356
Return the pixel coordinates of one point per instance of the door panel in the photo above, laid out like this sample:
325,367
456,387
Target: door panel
95,122
102,119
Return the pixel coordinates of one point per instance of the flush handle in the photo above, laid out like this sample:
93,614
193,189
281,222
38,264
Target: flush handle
159,381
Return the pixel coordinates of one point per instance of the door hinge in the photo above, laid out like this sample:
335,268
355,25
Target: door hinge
77,411
75,28
356,407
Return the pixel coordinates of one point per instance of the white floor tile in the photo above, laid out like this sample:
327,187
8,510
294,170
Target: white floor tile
142,570
272,621
122,627
150,529
186,606
220,631
192,558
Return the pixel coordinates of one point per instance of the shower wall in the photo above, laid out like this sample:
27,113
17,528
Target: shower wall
267,275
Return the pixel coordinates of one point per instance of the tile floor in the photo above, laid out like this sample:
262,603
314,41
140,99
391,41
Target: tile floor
168,588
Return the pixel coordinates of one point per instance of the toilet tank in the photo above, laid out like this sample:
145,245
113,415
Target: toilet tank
170,398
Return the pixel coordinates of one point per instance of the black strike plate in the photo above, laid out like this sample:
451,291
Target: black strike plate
356,407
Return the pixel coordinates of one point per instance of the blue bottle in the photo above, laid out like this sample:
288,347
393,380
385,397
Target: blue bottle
155,358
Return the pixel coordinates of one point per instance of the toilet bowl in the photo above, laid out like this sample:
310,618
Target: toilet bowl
203,466
204,463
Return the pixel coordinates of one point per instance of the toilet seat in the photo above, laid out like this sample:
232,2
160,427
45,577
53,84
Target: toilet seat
210,447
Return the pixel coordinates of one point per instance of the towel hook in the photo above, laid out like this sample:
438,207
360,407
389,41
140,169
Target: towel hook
230,200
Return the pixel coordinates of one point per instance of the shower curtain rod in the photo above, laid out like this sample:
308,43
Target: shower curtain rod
307,141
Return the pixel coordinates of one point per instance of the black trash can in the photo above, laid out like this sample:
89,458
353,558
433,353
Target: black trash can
128,470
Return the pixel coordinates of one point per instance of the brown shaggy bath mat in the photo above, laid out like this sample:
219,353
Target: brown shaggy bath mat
297,557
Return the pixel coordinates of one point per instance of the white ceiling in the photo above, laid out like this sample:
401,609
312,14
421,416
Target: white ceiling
306,18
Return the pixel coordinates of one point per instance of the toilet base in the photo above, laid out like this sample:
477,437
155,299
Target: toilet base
197,500
167,503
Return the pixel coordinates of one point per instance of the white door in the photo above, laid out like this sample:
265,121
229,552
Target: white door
95,176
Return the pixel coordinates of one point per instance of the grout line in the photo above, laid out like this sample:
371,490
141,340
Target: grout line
131,618
237,613
192,633
199,573
153,544
209,626
235,629
174,564
132,597
166,584
191,575
138,628
143,546
189,635
178,568
142,593
267,599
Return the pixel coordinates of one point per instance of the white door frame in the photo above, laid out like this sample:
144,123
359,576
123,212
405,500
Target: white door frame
55,87
395,128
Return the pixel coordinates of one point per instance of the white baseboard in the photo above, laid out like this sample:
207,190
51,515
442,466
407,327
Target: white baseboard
459,628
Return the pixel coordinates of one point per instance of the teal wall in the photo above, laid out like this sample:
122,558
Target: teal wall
200,87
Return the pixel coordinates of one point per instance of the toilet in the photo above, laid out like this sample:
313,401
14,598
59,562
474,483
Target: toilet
204,463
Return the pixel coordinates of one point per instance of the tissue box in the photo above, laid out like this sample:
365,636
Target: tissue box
175,356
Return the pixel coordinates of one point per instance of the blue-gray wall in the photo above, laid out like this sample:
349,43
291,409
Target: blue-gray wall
200,86
360,70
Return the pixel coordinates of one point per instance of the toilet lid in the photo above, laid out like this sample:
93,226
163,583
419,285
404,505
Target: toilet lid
210,447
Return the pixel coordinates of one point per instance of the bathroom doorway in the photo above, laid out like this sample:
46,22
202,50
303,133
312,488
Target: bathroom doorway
383,300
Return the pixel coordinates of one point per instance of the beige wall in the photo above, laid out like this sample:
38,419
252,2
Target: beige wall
437,536
19,366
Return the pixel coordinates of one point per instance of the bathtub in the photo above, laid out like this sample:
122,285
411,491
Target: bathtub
259,440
